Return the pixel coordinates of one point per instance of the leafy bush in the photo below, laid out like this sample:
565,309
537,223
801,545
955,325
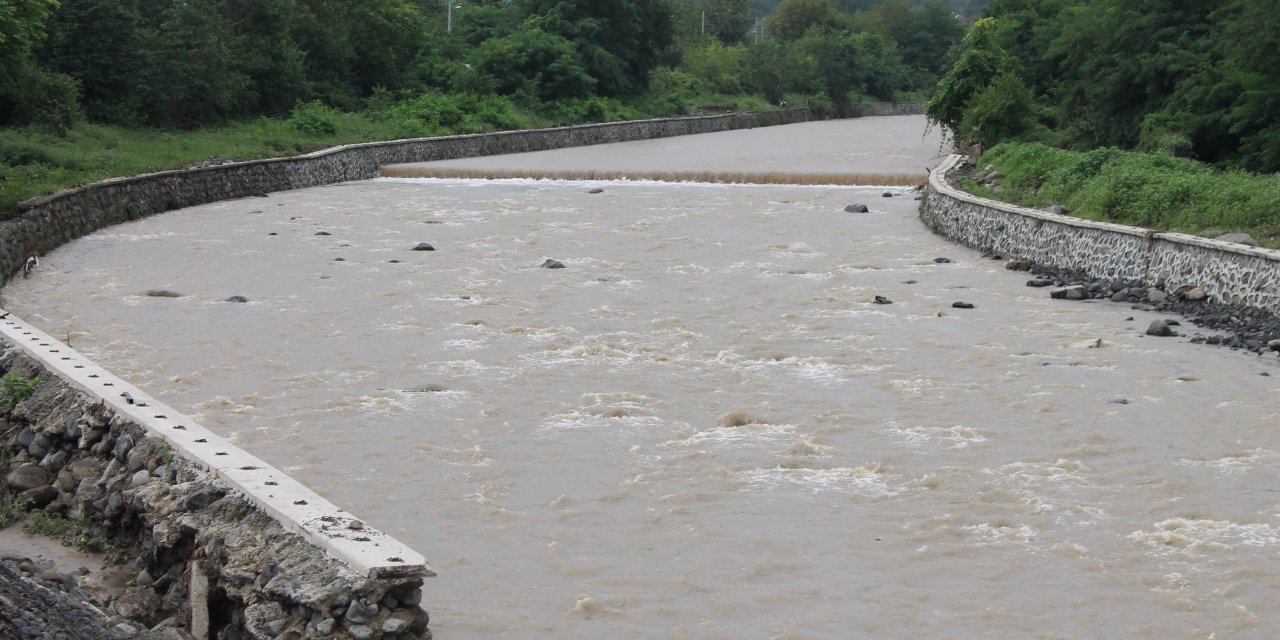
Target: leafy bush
314,118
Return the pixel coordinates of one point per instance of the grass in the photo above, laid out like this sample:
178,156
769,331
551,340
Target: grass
1139,189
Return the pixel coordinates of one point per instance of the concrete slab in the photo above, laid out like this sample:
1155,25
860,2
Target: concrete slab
340,534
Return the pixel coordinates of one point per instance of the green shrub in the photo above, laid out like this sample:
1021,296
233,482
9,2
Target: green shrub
314,118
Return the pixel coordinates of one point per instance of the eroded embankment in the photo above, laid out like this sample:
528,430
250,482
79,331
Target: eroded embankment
209,560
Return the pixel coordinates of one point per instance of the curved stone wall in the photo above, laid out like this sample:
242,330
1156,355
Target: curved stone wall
47,222
1229,272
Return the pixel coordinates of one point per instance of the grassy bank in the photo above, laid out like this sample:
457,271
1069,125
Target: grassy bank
36,160
1146,190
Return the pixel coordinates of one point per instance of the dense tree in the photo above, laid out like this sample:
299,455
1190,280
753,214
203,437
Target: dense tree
795,17
1184,77
620,41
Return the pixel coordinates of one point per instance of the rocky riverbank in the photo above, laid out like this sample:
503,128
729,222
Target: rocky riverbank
202,559
1234,326
39,601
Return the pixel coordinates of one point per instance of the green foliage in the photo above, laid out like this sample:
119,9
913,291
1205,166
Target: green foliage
619,41
534,63
1189,79
981,60
794,18
15,388
70,532
436,114
1149,190
314,118
1004,110
13,510
719,66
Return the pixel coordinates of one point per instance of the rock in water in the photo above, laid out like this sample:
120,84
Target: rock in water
1159,328
163,293
1039,282
942,260
552,264
962,305
424,246
1075,292
596,190
886,195
857,208
237,299
882,300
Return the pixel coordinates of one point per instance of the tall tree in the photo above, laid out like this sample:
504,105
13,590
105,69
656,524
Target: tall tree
794,17
620,41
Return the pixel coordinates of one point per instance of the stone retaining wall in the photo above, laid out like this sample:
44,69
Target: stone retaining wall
214,559
230,547
47,222
1230,273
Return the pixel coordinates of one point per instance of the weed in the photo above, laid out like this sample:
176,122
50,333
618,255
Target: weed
13,510
165,453
71,532
15,388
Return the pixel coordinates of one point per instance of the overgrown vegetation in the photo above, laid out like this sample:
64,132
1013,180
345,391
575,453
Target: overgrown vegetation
97,88
1189,79
1172,108
15,388
1141,189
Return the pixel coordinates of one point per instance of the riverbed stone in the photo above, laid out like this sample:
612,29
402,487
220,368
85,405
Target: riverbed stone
962,305
1194,294
237,299
360,632
1159,328
1156,296
29,476
139,478
1039,282
552,264
856,208
424,246
163,293
1074,292
140,604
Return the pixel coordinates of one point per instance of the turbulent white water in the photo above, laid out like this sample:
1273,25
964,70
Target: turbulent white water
703,427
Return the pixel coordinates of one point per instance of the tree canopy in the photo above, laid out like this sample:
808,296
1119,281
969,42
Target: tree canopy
1186,78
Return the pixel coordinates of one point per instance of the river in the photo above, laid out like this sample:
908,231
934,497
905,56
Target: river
703,426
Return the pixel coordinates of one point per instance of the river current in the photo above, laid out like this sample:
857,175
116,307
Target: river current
703,426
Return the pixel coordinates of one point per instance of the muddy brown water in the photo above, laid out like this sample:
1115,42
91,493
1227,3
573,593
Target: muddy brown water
702,427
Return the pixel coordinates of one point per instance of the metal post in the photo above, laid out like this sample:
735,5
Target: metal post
448,28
